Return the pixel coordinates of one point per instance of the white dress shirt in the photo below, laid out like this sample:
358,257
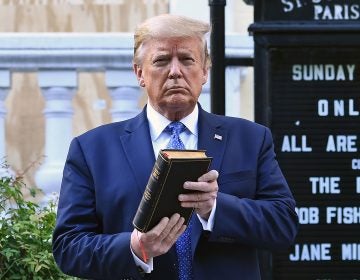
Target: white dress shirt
159,140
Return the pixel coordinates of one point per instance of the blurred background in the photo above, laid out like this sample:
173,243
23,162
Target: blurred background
65,68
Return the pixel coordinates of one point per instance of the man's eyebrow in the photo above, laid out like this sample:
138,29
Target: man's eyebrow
160,55
165,52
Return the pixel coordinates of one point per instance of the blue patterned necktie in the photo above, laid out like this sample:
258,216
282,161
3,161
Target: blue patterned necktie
183,244
175,128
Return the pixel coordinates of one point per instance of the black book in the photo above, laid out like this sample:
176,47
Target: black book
160,199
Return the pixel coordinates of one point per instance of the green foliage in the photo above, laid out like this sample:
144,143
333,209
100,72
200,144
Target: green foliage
25,235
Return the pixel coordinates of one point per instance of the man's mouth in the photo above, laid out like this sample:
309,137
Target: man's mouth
173,90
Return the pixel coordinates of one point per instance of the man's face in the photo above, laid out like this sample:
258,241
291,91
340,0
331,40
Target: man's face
173,71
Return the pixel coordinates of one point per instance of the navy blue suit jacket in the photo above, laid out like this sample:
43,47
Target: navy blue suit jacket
106,172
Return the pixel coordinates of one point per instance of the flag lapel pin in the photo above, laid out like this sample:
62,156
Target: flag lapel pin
217,137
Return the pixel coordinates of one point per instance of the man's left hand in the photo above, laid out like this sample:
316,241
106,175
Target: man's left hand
203,195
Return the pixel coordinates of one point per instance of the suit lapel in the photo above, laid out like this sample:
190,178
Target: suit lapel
212,138
138,149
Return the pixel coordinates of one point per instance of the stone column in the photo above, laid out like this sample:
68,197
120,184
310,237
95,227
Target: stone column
124,92
5,83
58,89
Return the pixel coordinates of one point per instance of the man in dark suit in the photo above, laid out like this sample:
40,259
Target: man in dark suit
241,205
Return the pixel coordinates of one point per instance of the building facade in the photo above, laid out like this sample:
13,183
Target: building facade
65,68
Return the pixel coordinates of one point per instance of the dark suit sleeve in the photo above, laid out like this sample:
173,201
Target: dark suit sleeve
264,217
80,247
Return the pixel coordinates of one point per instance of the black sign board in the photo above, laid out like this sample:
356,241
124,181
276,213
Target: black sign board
315,120
307,90
308,10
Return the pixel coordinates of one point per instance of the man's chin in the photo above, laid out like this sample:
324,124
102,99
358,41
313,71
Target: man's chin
177,98
178,104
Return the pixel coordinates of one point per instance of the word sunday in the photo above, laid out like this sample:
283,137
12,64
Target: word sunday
323,72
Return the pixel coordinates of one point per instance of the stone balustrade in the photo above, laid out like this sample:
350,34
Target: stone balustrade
58,58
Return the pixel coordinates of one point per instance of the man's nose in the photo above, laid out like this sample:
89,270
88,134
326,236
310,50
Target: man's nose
175,69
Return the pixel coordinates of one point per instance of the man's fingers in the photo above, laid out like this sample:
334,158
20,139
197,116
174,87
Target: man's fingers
197,204
165,228
167,233
201,186
159,240
198,196
157,230
175,232
212,175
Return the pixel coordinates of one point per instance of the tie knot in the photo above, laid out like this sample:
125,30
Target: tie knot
175,128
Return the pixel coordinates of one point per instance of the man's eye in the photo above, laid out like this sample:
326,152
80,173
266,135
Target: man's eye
160,61
188,60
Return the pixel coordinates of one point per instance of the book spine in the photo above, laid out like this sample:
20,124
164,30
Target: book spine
151,194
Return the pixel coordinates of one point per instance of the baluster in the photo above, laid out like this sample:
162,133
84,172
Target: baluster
58,89
124,92
5,83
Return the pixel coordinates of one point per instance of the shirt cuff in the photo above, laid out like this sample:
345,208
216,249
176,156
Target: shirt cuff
208,224
146,267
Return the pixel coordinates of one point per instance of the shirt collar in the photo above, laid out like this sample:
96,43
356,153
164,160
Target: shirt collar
158,122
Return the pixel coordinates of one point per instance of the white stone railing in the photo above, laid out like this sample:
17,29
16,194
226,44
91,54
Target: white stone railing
59,57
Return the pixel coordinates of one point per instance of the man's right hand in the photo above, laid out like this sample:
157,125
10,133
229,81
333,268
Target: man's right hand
159,239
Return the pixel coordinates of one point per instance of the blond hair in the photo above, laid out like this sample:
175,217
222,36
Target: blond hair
170,26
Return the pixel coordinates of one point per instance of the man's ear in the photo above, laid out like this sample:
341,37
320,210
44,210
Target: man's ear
138,72
205,75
